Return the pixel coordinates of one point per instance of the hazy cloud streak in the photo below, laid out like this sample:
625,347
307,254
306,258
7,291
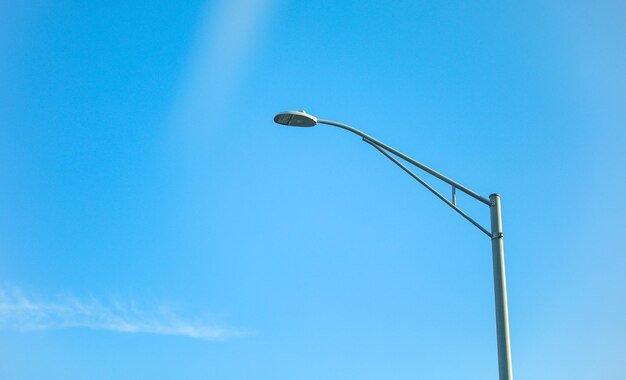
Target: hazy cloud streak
22,313
226,37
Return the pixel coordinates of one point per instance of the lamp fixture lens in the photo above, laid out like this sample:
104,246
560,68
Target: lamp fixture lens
295,119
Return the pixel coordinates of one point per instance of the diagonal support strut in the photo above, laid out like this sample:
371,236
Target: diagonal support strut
426,185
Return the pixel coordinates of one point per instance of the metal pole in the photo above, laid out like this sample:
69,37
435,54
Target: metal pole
505,365
499,279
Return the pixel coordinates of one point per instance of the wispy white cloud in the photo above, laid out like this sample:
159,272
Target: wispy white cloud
19,312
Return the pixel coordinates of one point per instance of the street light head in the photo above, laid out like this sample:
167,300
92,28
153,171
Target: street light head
295,119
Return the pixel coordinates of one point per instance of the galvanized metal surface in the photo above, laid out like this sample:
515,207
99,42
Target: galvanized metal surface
438,194
425,168
505,367
499,282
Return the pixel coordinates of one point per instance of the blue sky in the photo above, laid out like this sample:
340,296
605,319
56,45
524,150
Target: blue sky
157,224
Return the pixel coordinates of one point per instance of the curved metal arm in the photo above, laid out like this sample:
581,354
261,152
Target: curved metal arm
386,149
425,168
426,185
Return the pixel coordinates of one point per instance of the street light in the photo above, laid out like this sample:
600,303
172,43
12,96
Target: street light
303,119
